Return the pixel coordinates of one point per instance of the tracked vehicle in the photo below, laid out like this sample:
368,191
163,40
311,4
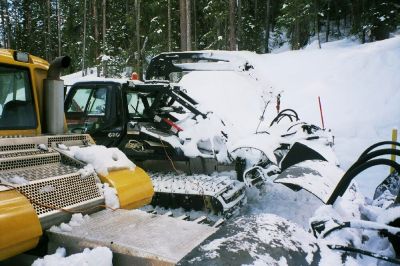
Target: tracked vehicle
46,175
146,121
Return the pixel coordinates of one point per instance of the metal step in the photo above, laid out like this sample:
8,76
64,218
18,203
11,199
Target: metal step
11,161
135,237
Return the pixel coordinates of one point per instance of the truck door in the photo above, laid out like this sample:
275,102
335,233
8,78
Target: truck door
92,108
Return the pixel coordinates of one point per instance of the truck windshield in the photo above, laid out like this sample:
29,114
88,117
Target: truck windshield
16,102
138,103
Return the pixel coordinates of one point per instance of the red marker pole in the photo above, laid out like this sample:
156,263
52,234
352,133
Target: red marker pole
320,110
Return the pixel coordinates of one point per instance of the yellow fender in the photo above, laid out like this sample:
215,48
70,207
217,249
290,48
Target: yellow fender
134,187
20,227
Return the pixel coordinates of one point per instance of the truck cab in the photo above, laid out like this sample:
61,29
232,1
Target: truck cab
139,118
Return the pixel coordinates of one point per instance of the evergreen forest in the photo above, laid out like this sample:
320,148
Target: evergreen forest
127,33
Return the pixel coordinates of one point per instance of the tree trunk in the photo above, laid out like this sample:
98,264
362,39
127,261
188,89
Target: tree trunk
183,24
7,16
3,24
169,27
188,26
338,18
232,23
328,21
59,27
267,25
316,8
104,25
194,9
138,46
104,6
239,24
48,32
96,29
84,40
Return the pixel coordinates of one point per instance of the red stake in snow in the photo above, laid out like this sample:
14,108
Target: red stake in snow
320,110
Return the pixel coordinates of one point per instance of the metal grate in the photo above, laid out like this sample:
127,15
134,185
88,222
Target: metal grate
62,139
41,172
17,147
22,153
29,162
61,192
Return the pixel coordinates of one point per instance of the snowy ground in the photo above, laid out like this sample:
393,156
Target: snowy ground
358,86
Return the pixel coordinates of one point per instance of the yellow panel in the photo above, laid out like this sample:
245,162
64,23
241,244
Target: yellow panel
38,70
20,227
134,188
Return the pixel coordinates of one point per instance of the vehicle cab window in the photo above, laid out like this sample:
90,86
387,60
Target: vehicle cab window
86,108
138,104
17,110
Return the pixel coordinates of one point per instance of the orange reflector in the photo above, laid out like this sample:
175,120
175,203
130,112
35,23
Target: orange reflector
134,76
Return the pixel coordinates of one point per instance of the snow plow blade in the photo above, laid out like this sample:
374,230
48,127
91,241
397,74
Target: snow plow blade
135,237
316,176
305,167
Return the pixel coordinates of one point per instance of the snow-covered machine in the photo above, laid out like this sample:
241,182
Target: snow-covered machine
348,229
46,175
160,128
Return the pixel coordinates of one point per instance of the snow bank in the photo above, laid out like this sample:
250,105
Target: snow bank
99,256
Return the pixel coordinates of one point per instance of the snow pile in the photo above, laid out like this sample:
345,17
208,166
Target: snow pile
110,196
101,158
361,212
86,171
76,220
230,95
206,134
99,256
43,147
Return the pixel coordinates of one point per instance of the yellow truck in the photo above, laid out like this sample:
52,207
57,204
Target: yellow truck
43,181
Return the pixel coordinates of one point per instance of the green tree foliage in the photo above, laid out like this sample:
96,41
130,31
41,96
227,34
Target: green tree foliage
32,26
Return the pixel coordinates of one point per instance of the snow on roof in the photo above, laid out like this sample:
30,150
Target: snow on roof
73,78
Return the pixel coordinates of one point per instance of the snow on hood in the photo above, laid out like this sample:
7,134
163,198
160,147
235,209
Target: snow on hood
102,159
